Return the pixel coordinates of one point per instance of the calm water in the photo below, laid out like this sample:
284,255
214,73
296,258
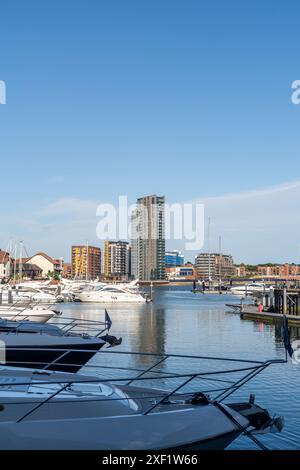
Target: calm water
181,322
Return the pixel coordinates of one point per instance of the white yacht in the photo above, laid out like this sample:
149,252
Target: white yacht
35,314
111,294
29,295
250,289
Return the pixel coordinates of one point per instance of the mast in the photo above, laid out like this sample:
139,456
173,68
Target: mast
20,261
220,261
15,263
209,254
9,257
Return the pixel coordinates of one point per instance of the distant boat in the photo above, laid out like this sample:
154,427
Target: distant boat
250,289
111,294
29,295
35,314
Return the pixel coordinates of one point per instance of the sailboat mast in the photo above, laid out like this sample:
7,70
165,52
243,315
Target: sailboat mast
20,261
9,258
208,243
15,264
220,260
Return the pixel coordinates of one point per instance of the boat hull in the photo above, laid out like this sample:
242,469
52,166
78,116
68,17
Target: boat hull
40,316
91,298
38,357
197,428
217,443
38,350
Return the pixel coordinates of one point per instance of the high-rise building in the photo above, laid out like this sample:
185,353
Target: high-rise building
148,239
117,259
174,259
214,266
135,245
86,262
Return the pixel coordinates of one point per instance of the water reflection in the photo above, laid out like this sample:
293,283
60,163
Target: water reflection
150,334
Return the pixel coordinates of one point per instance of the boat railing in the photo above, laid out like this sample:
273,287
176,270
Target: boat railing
81,325
220,382
68,325
19,305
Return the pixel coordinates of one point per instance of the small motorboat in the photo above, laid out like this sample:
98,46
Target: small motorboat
47,410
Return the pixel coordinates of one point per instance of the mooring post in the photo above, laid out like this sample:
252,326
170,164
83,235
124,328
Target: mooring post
266,300
272,298
284,300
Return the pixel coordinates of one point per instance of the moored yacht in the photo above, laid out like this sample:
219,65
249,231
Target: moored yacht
64,346
37,296
250,289
34,314
62,352
111,294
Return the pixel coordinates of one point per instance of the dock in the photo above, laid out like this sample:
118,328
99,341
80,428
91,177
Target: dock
275,304
270,317
249,312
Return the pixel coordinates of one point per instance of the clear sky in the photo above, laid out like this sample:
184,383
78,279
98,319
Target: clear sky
187,98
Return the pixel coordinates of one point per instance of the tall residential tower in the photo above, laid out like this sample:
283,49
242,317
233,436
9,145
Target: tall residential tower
148,239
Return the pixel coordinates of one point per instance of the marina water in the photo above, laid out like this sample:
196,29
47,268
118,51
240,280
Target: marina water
181,322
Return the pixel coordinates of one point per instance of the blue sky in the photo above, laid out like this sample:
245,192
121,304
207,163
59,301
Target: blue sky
190,99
